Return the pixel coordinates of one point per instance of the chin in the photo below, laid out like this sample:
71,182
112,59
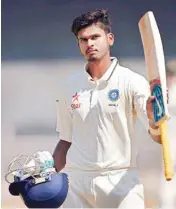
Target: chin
92,59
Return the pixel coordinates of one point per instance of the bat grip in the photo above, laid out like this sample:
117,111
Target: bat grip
168,167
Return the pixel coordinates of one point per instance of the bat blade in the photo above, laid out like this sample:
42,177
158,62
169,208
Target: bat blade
155,64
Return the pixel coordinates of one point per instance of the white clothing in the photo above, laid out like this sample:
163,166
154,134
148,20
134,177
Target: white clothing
98,118
110,189
100,129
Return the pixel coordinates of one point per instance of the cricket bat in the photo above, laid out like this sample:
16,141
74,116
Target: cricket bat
155,64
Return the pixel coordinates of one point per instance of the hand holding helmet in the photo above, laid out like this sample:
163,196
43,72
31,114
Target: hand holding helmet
36,181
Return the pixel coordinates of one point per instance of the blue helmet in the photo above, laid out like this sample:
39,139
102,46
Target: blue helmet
39,189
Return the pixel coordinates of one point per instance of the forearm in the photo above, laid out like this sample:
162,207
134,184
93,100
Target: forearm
154,137
60,153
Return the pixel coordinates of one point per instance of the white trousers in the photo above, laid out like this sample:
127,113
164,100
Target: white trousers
110,189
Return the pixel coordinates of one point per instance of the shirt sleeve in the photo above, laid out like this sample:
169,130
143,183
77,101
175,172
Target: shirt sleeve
64,120
140,94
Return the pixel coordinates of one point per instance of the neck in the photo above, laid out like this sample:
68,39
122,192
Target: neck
97,68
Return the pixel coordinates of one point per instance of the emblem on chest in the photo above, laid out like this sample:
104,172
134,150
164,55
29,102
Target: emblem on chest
113,95
75,101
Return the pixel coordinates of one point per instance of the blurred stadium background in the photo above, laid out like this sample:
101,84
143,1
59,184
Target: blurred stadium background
38,51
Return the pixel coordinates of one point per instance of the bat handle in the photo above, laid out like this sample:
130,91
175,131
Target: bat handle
168,166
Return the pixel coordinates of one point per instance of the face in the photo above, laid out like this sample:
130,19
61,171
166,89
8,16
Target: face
94,42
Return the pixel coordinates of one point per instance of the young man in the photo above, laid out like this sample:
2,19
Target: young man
96,122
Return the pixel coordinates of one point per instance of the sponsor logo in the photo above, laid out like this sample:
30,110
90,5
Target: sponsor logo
113,105
75,102
160,111
158,104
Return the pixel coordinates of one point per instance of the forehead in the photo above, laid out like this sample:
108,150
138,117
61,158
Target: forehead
91,30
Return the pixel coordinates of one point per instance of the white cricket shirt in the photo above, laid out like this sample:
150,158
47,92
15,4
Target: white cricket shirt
98,117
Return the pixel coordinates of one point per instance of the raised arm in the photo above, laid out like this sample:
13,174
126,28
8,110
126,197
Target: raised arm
143,106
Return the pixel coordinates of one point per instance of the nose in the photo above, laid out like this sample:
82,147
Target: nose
90,42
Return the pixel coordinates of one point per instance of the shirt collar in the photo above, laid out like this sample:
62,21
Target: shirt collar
107,75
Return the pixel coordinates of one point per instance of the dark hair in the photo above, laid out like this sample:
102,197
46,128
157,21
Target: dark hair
98,16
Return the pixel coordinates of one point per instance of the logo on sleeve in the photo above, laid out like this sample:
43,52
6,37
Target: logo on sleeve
75,101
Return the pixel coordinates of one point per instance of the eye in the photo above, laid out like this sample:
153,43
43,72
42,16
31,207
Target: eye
94,37
83,39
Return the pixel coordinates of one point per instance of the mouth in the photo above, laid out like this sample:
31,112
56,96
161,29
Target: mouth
91,51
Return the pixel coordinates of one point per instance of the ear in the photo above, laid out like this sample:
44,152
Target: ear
110,38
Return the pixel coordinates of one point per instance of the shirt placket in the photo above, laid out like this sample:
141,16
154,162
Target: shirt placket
94,95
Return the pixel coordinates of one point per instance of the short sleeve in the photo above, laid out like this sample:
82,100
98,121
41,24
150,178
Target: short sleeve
64,120
140,93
